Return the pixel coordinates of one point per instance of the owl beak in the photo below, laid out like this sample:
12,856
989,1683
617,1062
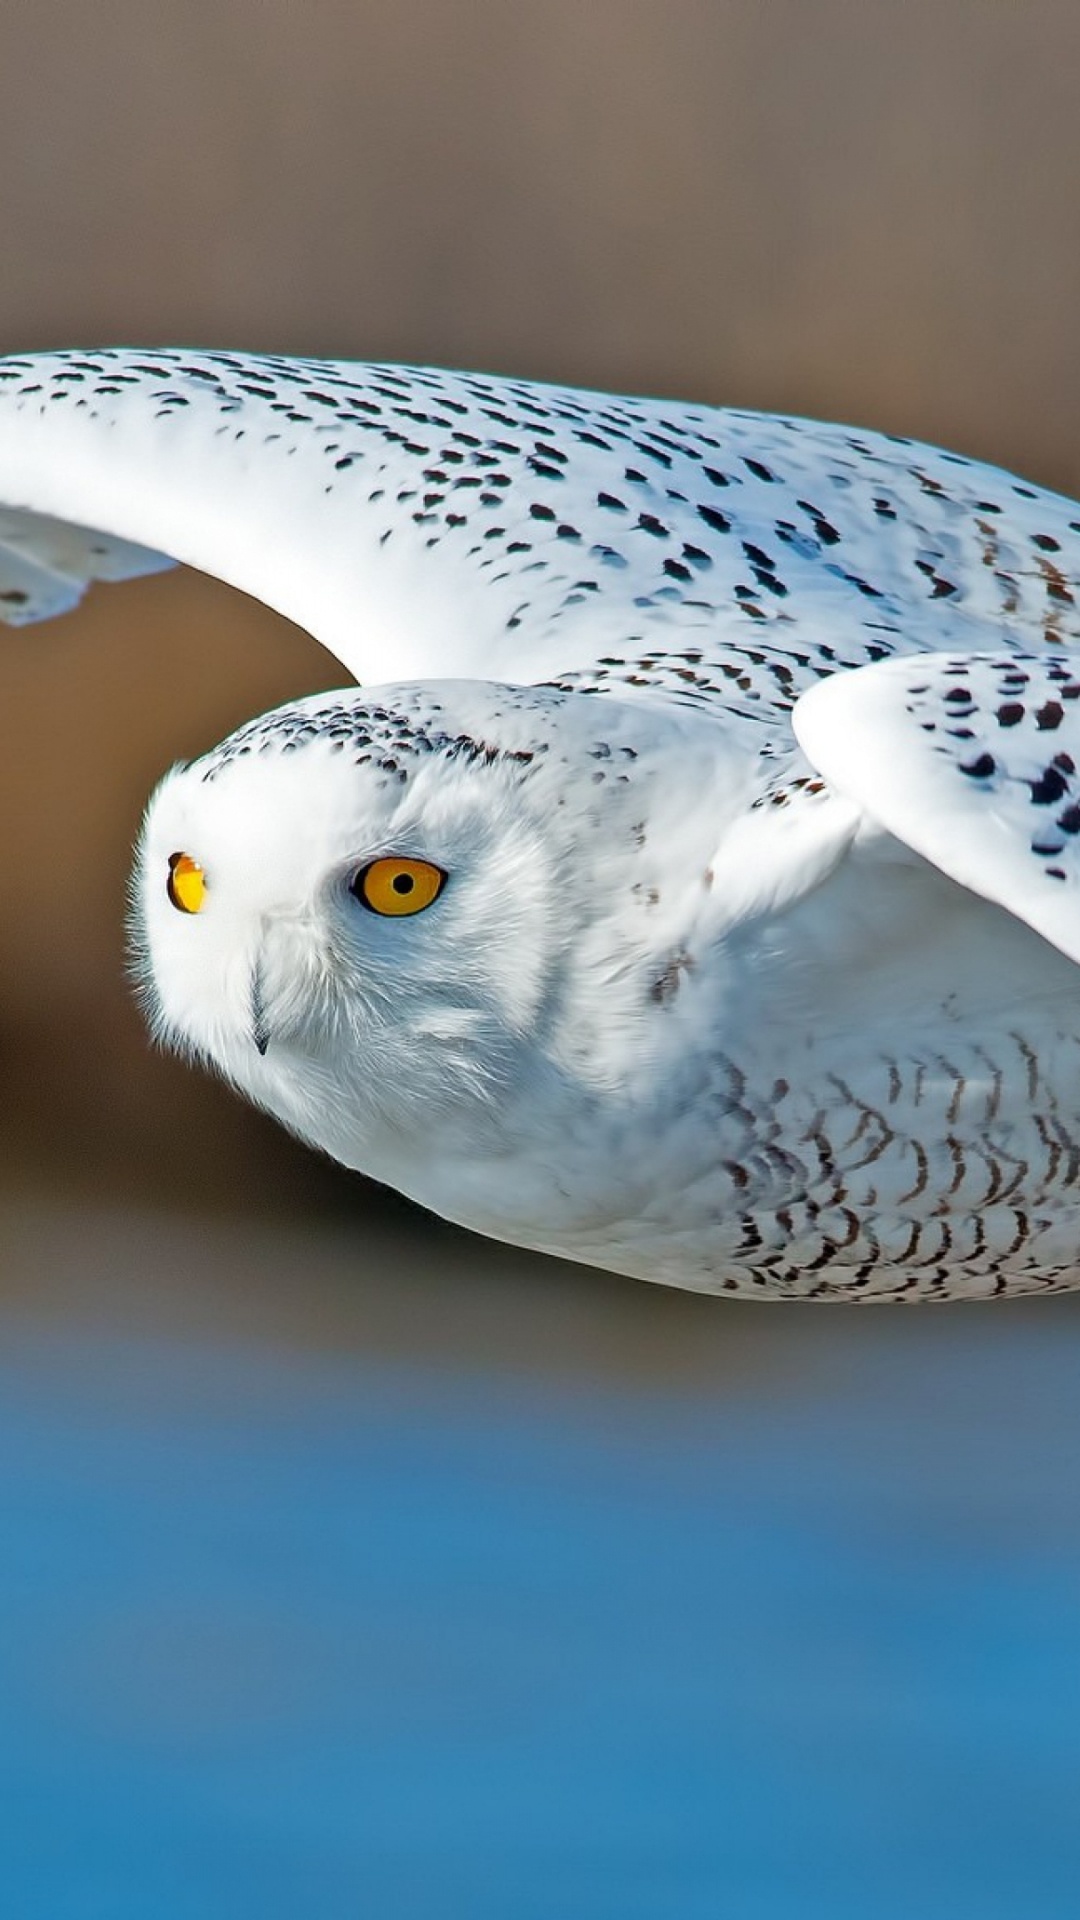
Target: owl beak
259,1028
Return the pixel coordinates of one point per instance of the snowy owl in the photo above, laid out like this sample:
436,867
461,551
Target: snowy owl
691,887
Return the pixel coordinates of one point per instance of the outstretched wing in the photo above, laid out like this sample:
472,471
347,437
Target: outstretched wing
426,523
973,760
46,564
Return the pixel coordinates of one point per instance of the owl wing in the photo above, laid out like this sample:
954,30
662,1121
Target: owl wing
971,760
421,523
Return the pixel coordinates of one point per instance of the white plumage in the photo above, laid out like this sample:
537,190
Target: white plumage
726,770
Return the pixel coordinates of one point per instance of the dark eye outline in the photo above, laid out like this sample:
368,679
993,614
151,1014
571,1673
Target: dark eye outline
357,885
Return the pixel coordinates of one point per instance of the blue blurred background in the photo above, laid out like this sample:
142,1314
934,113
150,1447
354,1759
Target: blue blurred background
349,1566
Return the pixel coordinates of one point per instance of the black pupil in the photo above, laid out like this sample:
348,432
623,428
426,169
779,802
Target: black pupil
403,883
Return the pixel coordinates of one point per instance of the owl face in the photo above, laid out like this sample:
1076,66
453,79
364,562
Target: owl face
405,918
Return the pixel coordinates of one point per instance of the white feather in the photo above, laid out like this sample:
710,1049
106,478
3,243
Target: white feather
740,978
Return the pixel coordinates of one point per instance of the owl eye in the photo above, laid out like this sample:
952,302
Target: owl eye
396,886
186,885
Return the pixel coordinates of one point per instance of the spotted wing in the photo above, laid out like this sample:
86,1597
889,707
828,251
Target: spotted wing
421,523
971,760
46,564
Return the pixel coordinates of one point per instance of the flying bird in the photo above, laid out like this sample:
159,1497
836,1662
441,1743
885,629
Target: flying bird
690,887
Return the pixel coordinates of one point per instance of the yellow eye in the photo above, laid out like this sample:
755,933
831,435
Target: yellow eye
186,883
399,886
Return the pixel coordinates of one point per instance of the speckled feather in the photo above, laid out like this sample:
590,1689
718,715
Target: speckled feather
420,522
874,636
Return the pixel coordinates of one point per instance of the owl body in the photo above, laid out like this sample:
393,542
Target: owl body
627,1032
692,886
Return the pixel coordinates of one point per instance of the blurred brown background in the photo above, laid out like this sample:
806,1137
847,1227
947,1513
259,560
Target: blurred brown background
863,209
